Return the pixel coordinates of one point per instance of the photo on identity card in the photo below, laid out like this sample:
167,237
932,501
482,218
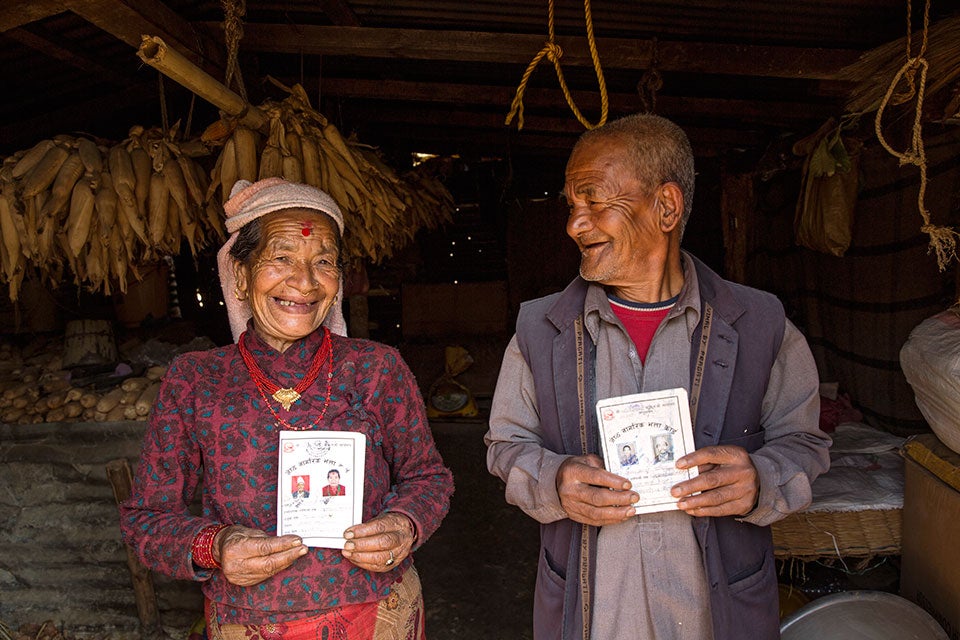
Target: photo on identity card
641,436
320,488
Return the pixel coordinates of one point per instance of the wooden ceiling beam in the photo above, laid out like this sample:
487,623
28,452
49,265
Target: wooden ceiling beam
16,13
57,52
449,93
340,13
129,20
75,116
429,139
449,120
511,48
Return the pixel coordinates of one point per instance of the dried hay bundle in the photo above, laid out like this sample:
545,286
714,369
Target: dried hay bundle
875,69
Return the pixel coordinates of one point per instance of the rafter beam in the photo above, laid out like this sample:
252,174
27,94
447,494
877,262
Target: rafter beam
129,20
340,13
447,120
16,13
75,116
450,93
427,139
57,52
509,48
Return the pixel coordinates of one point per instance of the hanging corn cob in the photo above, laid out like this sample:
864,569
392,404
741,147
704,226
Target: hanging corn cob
71,201
383,211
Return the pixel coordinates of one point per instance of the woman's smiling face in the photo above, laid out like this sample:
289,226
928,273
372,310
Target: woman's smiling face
292,278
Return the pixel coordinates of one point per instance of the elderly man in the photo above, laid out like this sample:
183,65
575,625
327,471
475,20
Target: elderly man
644,315
301,490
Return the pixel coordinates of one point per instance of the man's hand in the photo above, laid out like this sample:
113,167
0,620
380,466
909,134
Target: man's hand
592,495
728,482
381,543
249,556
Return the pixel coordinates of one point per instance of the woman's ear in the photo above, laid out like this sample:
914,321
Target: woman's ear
671,206
240,273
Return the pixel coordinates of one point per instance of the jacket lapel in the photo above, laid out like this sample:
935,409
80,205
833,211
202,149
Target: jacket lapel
563,315
721,357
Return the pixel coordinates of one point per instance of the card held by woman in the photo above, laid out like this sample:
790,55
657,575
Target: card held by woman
320,486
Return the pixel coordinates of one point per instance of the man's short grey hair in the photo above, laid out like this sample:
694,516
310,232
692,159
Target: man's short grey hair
660,151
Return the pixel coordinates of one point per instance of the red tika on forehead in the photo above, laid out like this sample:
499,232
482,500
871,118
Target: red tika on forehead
307,227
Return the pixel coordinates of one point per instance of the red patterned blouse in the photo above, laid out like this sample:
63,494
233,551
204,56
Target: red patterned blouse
210,427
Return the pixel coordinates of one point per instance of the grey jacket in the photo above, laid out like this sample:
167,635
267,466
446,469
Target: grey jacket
745,338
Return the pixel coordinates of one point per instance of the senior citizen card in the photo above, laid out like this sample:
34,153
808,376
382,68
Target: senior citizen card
320,488
642,435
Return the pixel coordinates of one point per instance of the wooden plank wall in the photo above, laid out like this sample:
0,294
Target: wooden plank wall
857,310
62,558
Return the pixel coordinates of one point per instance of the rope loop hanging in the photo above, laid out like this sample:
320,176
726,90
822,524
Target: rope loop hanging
552,51
650,83
943,240
161,90
233,13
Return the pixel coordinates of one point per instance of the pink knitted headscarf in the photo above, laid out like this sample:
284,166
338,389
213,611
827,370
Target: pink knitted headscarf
247,203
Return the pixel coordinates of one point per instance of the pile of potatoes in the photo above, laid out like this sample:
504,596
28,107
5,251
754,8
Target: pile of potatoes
39,391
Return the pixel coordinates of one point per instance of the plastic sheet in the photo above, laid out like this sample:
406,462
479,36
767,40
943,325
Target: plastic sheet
930,359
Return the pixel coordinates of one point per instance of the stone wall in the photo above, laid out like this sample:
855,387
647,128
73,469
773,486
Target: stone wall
61,557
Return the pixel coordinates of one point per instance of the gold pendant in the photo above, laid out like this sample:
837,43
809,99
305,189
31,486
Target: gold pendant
286,397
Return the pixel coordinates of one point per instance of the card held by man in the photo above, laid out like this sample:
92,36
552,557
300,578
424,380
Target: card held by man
642,436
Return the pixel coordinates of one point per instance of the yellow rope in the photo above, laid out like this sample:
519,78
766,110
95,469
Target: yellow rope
943,240
553,53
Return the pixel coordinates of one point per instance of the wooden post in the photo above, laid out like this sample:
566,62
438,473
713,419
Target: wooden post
356,287
121,478
737,211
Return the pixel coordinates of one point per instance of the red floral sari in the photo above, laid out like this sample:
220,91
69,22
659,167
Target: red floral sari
399,616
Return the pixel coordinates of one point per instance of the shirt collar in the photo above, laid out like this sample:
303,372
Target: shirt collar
596,307
296,353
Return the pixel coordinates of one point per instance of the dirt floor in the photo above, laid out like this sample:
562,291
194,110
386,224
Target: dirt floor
478,569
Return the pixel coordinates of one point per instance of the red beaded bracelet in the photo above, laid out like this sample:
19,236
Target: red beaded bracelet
202,547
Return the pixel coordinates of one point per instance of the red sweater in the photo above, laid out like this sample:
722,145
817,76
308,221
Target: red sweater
641,320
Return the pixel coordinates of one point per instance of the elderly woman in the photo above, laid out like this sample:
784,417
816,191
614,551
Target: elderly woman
217,421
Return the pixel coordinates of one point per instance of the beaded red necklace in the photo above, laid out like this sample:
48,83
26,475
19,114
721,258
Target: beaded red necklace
286,396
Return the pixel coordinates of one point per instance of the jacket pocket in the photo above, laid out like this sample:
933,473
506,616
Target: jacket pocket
548,600
748,577
754,605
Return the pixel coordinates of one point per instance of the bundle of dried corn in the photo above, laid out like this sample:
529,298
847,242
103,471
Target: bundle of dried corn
101,210
382,211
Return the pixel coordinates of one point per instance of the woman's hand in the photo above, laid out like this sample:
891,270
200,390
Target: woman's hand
380,544
249,556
